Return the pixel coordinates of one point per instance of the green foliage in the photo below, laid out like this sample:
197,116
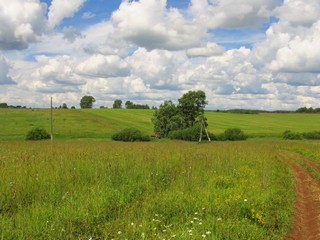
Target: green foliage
289,135
166,119
315,135
38,134
190,134
130,135
232,134
191,105
87,101
117,103
3,105
171,118
308,110
131,105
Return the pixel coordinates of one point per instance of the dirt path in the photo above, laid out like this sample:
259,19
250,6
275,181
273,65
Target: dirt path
306,222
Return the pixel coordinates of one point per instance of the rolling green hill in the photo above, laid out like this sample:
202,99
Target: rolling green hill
102,123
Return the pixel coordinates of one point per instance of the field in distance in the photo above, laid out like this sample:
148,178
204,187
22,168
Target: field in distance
102,123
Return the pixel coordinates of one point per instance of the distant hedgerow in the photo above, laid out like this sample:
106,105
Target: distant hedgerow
289,135
38,134
130,135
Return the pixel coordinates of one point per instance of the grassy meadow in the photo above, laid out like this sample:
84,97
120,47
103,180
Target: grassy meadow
102,123
85,186
172,190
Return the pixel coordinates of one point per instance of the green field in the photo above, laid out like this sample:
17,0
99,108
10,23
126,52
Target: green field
102,123
100,189
172,190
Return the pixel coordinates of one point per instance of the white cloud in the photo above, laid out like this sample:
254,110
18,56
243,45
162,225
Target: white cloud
232,14
298,12
60,9
88,15
211,49
4,71
149,24
104,66
71,33
22,22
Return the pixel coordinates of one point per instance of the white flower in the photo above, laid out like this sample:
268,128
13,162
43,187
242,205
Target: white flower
245,200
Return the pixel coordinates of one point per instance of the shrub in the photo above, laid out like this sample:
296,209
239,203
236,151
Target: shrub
311,135
232,134
38,134
190,134
130,135
288,135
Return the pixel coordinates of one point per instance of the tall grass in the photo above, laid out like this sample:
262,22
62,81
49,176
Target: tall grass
107,190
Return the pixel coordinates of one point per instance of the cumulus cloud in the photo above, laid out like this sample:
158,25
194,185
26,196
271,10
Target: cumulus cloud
104,66
71,33
232,14
4,71
156,67
22,22
298,12
149,24
211,49
60,9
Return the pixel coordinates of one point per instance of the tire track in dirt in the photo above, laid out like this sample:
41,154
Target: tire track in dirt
306,222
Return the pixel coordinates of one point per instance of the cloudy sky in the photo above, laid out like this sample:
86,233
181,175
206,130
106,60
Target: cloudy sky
261,54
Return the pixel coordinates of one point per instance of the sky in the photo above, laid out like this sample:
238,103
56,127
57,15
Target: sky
249,54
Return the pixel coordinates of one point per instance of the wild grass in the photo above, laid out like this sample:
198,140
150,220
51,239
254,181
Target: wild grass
176,190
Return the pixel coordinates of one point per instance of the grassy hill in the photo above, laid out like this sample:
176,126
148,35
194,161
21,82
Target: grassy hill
102,123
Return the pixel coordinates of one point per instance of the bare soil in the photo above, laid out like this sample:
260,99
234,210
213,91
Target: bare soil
306,222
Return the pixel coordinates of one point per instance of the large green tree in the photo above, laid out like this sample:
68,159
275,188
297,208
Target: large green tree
87,102
166,118
191,106
190,110
117,103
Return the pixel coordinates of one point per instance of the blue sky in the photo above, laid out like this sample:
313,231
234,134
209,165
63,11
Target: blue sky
259,54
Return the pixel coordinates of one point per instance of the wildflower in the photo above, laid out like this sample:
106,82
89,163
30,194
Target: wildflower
208,232
11,184
200,223
132,224
219,219
191,221
245,200
204,236
196,213
119,232
190,231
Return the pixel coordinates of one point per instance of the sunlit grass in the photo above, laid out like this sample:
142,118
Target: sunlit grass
107,190
103,123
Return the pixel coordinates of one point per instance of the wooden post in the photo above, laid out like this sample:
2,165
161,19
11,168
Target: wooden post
51,122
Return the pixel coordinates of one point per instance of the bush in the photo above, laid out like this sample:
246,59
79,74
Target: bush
130,135
38,134
288,135
312,135
190,134
232,134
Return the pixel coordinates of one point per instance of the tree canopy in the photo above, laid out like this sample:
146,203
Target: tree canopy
170,117
117,103
87,102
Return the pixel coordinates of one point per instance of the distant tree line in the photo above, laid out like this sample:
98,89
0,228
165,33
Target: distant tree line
5,105
308,110
131,105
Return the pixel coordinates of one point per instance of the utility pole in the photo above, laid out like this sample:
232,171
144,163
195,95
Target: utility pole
51,122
